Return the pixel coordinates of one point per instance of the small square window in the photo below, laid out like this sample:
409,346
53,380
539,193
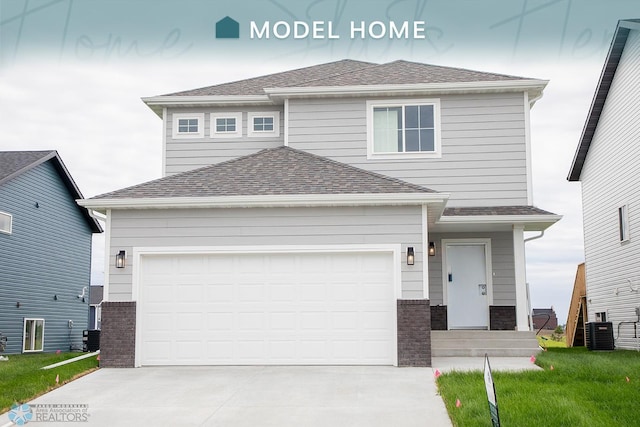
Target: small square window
623,222
226,125
188,125
264,124
6,223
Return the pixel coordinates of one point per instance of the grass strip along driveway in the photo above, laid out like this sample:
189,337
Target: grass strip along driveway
577,388
21,378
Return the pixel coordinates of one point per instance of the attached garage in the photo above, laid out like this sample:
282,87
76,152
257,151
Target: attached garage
329,306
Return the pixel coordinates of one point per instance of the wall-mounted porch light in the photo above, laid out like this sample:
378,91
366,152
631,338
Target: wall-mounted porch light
120,259
432,249
410,256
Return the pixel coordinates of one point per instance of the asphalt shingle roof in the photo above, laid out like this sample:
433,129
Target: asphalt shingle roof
274,171
13,162
349,73
495,210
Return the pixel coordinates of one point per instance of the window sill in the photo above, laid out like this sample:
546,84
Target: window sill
403,156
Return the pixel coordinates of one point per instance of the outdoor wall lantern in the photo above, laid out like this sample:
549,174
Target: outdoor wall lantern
120,259
410,256
432,249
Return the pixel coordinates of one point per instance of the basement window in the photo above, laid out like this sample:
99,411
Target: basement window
6,223
33,335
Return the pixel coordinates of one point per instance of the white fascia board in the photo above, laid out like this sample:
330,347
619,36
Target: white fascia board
294,200
157,103
500,219
533,85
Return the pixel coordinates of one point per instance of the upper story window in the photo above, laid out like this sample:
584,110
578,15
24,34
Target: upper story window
264,124
188,125
6,223
403,128
226,125
623,222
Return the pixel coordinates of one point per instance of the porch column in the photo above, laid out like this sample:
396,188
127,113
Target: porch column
520,268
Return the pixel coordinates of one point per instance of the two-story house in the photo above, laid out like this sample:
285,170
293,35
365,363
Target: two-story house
343,213
45,254
606,163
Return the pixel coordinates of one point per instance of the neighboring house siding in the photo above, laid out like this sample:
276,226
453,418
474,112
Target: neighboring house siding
190,153
504,291
266,227
483,159
48,253
610,179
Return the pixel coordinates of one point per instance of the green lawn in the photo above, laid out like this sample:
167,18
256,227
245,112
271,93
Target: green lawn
21,378
583,389
550,343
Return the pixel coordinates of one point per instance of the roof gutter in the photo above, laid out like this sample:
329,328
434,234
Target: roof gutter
534,86
157,103
287,200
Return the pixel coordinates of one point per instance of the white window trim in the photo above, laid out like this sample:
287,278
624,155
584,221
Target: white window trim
262,134
623,223
24,331
226,115
406,155
10,231
189,135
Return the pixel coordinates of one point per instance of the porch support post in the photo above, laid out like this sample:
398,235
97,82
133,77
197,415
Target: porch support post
425,253
522,317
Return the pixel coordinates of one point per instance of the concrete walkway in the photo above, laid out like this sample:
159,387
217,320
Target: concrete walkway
255,396
511,364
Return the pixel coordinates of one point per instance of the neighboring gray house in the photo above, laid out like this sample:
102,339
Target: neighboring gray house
607,163
45,253
344,213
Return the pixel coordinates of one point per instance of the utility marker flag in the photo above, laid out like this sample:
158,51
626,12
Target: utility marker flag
491,393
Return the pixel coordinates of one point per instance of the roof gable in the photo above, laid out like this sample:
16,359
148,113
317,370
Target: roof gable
600,96
15,163
270,172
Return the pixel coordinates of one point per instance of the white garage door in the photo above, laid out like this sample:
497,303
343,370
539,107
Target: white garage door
284,309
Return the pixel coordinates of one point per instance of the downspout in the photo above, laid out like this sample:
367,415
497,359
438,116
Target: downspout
534,237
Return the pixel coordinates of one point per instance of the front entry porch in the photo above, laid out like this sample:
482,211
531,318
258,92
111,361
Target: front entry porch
468,343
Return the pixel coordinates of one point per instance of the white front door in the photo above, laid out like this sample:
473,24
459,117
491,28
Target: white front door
466,286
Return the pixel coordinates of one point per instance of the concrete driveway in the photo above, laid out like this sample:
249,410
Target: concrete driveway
254,396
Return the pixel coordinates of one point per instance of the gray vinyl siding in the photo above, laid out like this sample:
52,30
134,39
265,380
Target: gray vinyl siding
265,227
504,290
48,253
483,159
610,178
190,153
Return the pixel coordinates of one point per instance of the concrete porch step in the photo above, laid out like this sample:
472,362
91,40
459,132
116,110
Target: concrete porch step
471,343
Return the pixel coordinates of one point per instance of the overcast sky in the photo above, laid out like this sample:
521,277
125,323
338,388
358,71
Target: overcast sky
74,84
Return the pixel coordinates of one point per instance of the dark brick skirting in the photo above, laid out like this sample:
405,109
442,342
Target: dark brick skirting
438,317
414,333
502,317
118,335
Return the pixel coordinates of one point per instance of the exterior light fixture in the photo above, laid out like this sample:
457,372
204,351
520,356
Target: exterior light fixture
410,256
432,249
120,259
